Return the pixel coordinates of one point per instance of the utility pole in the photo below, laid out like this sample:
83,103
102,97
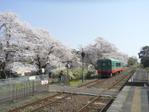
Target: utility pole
82,55
68,66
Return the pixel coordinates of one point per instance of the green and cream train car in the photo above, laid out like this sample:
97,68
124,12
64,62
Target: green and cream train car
108,67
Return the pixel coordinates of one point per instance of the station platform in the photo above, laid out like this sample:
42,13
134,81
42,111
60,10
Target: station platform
134,97
140,78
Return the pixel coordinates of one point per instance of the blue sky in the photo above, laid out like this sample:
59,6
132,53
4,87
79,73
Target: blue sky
124,23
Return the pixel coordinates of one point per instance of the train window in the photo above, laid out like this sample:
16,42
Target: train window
118,64
109,64
98,63
103,63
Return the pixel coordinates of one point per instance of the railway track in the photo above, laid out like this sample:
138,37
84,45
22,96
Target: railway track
39,104
103,104
61,98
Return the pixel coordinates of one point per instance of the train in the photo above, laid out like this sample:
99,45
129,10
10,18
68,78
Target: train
109,67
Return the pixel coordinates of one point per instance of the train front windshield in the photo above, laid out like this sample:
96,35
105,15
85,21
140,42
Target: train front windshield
103,64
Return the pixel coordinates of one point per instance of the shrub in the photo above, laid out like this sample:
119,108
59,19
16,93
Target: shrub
90,74
77,73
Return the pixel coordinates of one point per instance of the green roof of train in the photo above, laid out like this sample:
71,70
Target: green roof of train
112,59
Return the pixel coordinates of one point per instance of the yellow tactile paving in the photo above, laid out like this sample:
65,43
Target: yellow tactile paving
136,102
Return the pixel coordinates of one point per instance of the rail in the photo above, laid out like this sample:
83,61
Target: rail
83,109
48,100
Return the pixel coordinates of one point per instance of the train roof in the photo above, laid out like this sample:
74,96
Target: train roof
112,59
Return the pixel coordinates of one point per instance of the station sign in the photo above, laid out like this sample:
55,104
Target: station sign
44,82
32,77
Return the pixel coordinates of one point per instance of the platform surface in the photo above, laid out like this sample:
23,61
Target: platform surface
139,76
133,98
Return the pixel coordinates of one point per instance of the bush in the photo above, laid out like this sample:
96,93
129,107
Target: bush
147,69
57,72
89,74
77,73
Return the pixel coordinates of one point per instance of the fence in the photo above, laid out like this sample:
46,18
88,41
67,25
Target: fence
14,88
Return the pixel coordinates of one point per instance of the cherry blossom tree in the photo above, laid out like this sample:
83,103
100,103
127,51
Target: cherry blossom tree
32,46
102,49
7,51
36,48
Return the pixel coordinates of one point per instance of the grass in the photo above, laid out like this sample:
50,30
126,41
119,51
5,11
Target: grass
129,70
75,83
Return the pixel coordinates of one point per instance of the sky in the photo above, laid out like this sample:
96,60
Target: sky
77,23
